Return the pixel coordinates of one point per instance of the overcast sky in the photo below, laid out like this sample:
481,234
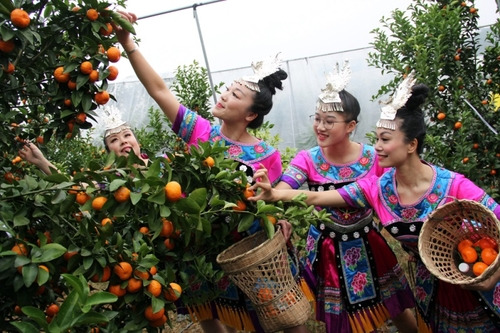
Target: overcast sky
237,32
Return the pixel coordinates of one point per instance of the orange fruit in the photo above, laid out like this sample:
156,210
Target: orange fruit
457,125
60,75
98,202
140,274
67,102
113,54
240,206
82,197
173,292
101,97
167,228
154,287
158,322
209,162
106,31
113,73
123,270
152,316
173,191
478,268
265,294
475,146
144,230
465,160
247,192
105,221
469,254
71,85
122,194
93,76
17,310
485,243
153,270
134,285
81,117
103,277
272,219
10,68
441,116
52,310
488,255
456,57
464,243
472,10
7,46
441,88
117,290
92,14
69,254
75,9
20,249
86,67
17,159
169,243
45,268
20,18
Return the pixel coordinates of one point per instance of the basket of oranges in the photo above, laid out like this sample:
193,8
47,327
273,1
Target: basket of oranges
458,242
259,266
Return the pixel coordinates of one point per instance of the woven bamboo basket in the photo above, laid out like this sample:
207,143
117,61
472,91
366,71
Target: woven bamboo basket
445,228
259,267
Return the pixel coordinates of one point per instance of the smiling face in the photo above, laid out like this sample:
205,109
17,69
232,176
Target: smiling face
122,143
392,147
331,128
234,104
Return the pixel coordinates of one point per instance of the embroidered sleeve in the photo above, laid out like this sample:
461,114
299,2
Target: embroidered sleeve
463,188
190,126
296,173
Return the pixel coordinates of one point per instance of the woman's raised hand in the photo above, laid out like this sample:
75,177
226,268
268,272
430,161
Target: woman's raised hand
262,182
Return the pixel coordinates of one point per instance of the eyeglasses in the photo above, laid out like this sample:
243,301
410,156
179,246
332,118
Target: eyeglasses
328,124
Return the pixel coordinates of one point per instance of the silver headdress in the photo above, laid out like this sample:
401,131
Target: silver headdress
109,121
261,69
336,81
391,106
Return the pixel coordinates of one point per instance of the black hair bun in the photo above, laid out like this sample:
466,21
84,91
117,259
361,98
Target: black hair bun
419,93
274,81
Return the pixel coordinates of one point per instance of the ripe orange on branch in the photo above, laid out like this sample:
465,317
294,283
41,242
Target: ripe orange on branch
154,287
173,191
99,202
113,73
122,194
151,316
103,276
86,67
20,18
101,97
173,292
167,228
92,14
7,46
113,54
60,75
123,269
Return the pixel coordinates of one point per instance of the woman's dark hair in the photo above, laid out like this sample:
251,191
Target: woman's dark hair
350,105
411,116
263,101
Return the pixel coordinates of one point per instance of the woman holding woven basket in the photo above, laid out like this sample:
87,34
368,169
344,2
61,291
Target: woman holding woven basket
402,198
350,248
241,107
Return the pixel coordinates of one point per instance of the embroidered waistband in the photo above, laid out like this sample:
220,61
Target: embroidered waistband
352,231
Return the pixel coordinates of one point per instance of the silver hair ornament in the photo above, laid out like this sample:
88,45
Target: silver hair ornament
336,81
261,69
390,107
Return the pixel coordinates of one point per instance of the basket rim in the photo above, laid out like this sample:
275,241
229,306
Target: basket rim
431,221
221,261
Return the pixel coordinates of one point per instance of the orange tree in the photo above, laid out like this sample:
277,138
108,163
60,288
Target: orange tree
125,231
441,41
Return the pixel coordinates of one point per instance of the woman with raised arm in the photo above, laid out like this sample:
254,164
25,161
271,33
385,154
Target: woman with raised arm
356,277
241,107
402,198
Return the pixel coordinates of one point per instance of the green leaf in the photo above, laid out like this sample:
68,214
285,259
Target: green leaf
125,24
58,197
30,272
188,205
246,222
154,169
42,277
158,197
36,314
25,327
91,317
135,197
75,283
49,252
68,311
115,184
102,297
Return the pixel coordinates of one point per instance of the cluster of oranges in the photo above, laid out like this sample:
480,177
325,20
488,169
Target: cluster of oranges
480,254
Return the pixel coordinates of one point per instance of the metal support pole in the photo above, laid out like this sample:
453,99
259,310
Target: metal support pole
199,33
205,55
